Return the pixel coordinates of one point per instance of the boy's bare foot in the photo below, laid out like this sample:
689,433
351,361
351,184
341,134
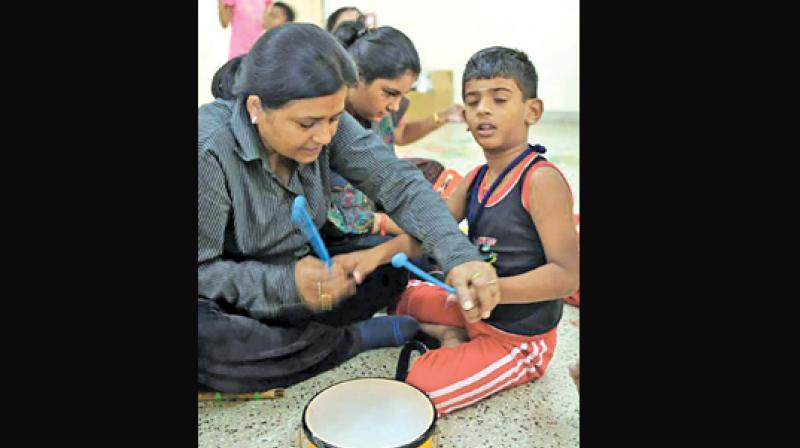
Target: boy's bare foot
574,372
447,335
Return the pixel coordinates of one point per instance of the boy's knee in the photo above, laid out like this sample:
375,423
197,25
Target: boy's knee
421,379
409,294
427,374
418,290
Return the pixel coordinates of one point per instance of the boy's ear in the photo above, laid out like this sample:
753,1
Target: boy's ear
534,107
464,114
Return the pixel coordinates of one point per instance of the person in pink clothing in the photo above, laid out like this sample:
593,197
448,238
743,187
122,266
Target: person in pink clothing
246,20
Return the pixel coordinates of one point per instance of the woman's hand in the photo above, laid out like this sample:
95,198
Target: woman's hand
320,288
476,288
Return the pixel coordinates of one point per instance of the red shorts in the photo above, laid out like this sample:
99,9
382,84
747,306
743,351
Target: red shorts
491,361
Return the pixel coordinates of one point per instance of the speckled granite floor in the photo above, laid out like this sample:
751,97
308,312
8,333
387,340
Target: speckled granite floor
542,414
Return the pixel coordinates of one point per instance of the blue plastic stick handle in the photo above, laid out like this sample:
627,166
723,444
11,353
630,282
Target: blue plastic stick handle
400,260
301,219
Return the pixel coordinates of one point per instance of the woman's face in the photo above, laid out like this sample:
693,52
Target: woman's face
300,128
379,98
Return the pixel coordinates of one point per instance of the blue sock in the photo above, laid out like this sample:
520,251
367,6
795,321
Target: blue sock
386,331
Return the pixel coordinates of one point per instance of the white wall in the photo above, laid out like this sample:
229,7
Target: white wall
446,33
212,47
213,40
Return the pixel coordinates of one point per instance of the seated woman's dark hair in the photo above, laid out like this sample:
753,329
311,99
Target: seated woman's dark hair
291,62
222,82
383,52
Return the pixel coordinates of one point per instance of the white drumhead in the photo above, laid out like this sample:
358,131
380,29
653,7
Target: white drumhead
369,413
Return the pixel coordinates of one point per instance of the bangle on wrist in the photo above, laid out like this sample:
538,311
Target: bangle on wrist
437,119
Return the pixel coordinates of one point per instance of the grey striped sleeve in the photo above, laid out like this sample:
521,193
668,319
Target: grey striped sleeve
261,289
361,157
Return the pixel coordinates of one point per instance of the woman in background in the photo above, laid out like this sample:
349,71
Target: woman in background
388,66
344,14
245,18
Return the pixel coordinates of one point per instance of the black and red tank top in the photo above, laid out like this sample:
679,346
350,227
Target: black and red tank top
502,228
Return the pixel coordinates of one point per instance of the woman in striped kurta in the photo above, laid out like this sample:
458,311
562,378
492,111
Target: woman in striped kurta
269,313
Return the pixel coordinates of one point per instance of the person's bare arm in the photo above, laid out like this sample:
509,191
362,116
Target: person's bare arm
407,133
389,226
224,13
456,203
370,259
551,210
363,262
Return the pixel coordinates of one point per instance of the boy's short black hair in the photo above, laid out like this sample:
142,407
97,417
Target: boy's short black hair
287,10
502,62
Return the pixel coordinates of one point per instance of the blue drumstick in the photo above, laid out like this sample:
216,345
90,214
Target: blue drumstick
302,219
400,260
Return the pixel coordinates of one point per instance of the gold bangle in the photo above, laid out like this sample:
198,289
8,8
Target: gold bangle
325,302
324,298
436,119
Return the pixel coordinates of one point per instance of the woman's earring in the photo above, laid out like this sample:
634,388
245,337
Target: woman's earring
254,119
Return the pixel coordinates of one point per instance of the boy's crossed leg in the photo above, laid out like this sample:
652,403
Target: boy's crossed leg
492,360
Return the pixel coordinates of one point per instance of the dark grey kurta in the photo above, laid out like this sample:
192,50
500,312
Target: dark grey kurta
247,246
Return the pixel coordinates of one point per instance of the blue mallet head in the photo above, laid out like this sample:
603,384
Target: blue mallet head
298,208
399,260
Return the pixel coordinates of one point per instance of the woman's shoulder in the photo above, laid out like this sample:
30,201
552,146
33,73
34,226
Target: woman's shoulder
212,124
348,131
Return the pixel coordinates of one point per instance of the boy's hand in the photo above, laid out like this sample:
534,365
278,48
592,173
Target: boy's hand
476,288
359,264
454,114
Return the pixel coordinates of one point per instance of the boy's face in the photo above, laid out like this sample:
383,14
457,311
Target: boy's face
495,113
